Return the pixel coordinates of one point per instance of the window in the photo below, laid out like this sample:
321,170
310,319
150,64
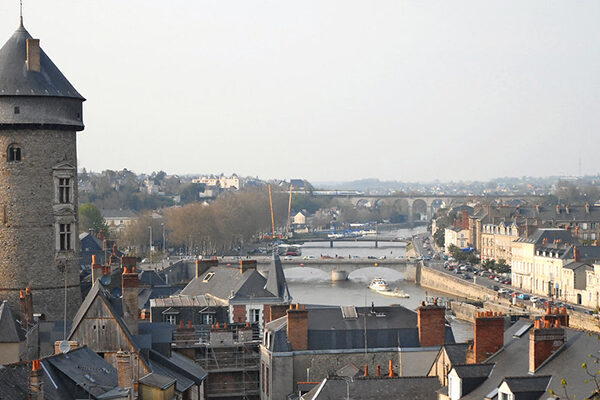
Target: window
64,190
17,110
208,276
254,315
171,319
14,153
208,319
64,235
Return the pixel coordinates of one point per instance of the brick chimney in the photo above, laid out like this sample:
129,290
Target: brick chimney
544,340
465,220
33,55
23,309
297,327
489,336
36,387
246,265
587,208
431,321
203,265
130,299
555,314
29,304
576,254
274,311
124,369
96,270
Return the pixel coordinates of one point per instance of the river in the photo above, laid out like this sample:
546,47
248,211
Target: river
313,286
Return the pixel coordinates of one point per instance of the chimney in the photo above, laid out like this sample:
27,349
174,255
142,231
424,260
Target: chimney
36,388
544,340
29,304
274,311
23,309
567,208
587,208
489,336
366,370
124,371
555,314
465,220
130,299
96,270
33,55
431,321
246,265
558,209
203,265
297,327
545,241
537,208
391,368
378,370
575,254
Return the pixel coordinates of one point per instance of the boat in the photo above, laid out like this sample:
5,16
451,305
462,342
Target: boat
378,284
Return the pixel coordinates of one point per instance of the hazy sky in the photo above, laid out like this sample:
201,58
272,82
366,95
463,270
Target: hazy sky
329,90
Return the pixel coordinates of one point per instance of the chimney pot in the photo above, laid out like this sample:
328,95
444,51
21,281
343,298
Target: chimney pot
366,370
378,370
391,369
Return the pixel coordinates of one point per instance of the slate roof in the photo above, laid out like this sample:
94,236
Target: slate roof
457,352
550,234
398,388
232,286
523,384
387,327
276,282
17,80
64,377
157,380
513,361
467,371
576,265
10,330
151,277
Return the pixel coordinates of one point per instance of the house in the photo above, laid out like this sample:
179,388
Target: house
303,344
243,291
458,237
118,220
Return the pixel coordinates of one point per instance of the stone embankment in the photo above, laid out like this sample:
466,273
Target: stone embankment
437,280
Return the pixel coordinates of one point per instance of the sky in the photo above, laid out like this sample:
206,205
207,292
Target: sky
329,90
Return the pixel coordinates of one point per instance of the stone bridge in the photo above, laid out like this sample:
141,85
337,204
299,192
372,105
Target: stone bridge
424,202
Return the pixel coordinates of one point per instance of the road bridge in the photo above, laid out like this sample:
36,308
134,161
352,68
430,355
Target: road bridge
345,242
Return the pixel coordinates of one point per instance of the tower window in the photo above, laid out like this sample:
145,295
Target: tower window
64,190
64,235
17,110
14,153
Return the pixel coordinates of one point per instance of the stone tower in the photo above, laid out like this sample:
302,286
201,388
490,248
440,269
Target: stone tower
40,114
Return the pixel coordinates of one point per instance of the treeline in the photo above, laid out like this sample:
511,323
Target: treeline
233,219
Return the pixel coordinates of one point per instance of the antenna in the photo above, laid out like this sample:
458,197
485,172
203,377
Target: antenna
21,11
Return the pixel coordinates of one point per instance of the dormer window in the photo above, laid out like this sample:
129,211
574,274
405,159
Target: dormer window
208,276
14,153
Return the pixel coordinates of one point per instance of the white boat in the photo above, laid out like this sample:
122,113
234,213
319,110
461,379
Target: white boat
379,285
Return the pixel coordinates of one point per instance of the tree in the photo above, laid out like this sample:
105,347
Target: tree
90,217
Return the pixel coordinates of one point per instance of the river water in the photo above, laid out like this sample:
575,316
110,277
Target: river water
313,286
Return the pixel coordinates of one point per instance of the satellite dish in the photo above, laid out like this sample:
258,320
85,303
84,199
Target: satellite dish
105,280
64,346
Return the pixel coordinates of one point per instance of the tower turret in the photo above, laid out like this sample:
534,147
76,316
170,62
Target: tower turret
40,113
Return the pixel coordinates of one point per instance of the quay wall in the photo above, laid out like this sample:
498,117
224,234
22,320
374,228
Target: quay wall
437,280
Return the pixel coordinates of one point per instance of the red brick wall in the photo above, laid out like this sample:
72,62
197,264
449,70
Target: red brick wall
274,311
239,313
431,321
542,343
297,329
489,337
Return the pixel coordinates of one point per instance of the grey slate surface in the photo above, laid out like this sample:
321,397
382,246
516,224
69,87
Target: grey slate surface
16,80
399,388
10,330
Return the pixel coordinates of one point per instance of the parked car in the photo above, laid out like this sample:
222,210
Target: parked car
523,296
502,290
534,299
309,257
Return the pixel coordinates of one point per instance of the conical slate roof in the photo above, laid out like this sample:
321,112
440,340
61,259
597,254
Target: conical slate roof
276,282
16,80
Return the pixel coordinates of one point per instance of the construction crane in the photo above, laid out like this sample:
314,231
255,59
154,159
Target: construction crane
290,210
272,217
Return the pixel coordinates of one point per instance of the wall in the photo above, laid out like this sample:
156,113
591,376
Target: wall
440,281
11,352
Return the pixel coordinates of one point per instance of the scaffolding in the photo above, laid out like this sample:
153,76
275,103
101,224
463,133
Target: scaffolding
230,355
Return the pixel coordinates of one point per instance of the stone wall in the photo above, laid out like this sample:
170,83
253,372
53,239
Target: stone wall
442,282
29,213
